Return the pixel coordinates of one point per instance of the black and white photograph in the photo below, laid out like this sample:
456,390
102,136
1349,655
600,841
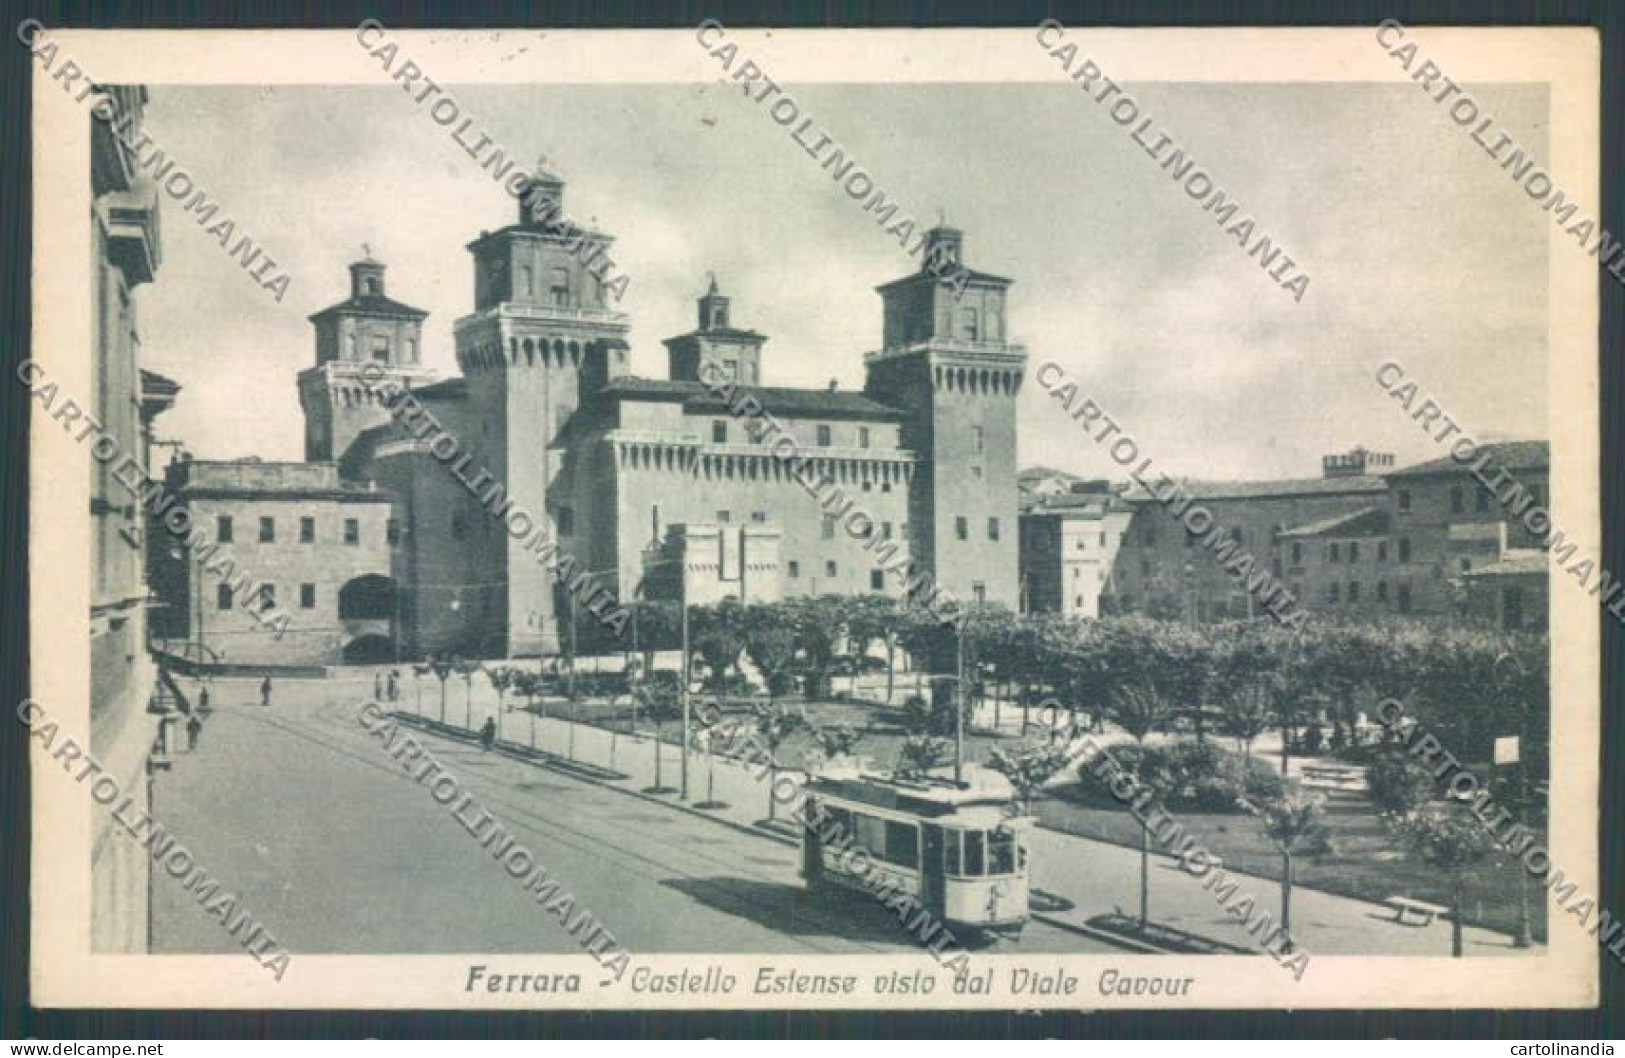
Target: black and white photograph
713,518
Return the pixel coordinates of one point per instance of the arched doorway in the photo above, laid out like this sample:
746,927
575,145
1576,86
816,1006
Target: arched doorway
367,613
369,650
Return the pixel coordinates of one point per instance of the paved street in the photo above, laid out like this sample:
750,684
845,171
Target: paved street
301,813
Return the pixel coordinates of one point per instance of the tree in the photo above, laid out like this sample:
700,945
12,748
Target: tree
770,640
531,686
876,619
919,754
774,724
717,635
659,625
503,679
1140,709
442,666
1449,839
418,672
836,740
1028,767
661,694
1155,776
820,625
466,669
1397,782
1295,821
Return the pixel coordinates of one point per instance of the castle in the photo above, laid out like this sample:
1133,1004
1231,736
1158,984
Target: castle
394,558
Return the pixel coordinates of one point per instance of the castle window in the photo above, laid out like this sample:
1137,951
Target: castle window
724,517
352,532
267,597
1466,565
527,286
1404,549
795,568
1404,598
992,528
978,591
978,439
969,328
1382,591
267,530
222,596
730,370
962,528
380,348
222,528
1481,500
1354,551
392,532
863,437
307,596
1332,553
824,437
307,530
830,568
567,521
719,431
1403,498
1332,591
885,486
877,580
1354,591
827,531
1456,505
1382,551
758,516
1102,539
558,286
976,472
1297,553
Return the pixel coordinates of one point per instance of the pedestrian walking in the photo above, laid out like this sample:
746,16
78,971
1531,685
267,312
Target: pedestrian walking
488,734
203,700
377,686
194,728
394,685
265,690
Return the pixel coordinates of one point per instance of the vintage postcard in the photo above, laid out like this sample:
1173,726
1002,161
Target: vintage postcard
1040,518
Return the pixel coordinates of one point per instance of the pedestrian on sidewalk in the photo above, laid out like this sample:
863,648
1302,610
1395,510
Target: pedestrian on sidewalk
393,687
194,728
488,734
377,686
203,700
265,690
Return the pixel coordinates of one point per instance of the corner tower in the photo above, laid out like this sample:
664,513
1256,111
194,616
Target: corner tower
542,336
368,327
947,362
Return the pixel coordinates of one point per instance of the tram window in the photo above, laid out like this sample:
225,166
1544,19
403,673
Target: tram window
838,827
902,844
950,851
1001,852
974,866
872,835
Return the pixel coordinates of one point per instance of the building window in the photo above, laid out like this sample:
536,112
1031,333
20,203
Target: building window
795,569
1403,498
558,286
1145,567
307,596
968,328
267,596
307,530
824,438
1354,591
1404,598
827,530
1382,591
380,348
352,531
1456,506
719,431
863,437
1332,591
267,530
222,596
885,530
222,528
830,568
392,531
877,580
1333,553
1297,553
527,282
1466,565
724,517
978,440
992,528
976,472
1481,500
1102,539
1382,551
885,486
1404,549
978,591
758,517
962,528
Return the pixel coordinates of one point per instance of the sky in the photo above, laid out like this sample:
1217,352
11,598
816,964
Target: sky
1418,246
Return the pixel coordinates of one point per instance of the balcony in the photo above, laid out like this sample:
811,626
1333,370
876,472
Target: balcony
993,352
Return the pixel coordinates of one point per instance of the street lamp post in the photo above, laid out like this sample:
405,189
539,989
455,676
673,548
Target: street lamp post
682,675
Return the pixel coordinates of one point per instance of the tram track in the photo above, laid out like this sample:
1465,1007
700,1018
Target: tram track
495,796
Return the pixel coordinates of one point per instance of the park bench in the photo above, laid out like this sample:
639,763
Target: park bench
1404,907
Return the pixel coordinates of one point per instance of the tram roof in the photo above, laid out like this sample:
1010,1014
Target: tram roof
935,795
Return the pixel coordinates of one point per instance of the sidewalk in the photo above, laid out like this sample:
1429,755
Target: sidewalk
1074,879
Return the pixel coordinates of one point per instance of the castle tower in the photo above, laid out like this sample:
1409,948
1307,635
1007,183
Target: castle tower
541,338
947,362
368,327
715,348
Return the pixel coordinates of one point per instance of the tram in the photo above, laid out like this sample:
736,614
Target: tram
954,847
